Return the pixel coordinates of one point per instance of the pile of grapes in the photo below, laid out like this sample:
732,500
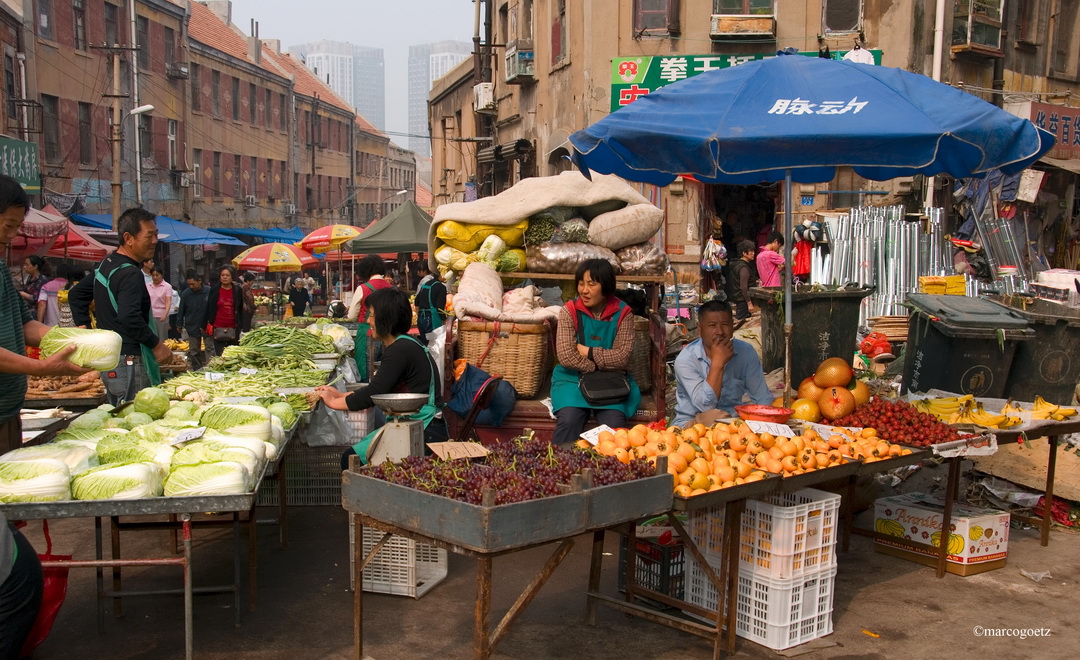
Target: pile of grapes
517,470
900,422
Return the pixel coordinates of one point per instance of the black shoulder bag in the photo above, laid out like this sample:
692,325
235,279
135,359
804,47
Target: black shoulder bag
602,388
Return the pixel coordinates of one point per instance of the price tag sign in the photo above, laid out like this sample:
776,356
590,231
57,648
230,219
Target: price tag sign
248,371
771,428
214,375
593,435
188,435
449,451
980,445
825,431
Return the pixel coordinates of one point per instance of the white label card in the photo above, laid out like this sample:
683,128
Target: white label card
248,371
214,375
592,436
454,450
825,431
189,434
980,445
771,428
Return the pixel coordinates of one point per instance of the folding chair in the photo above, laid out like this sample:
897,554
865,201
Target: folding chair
480,403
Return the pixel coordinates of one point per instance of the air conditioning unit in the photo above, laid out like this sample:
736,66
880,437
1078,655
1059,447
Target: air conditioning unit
290,209
742,26
484,98
249,201
520,63
176,70
184,181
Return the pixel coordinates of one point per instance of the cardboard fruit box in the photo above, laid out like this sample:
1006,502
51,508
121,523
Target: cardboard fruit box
909,526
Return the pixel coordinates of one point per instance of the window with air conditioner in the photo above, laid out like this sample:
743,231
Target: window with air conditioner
977,25
743,19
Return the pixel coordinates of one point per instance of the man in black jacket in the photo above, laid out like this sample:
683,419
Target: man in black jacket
122,304
742,276
192,317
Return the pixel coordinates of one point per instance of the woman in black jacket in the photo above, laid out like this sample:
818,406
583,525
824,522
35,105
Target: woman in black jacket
225,311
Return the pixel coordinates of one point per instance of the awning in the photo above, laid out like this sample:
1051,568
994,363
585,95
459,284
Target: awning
78,244
169,230
275,235
1070,164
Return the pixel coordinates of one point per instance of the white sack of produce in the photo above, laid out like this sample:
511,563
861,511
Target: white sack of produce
118,481
627,226
479,294
221,478
563,257
41,480
642,259
78,456
96,349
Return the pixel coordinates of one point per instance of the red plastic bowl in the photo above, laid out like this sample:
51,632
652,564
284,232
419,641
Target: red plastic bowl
760,413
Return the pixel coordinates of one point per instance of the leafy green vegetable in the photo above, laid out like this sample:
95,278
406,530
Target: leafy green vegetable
153,401
541,229
96,349
139,419
283,412
238,419
40,480
211,451
119,423
118,481
77,456
220,478
88,437
107,407
91,419
134,448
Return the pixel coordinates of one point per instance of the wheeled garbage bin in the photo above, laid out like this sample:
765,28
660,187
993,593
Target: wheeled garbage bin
1049,364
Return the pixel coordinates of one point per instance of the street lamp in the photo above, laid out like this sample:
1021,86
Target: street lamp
117,185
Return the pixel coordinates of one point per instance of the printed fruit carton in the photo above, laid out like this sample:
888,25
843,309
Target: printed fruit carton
909,526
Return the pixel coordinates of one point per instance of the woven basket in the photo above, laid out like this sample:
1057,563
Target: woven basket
516,351
640,364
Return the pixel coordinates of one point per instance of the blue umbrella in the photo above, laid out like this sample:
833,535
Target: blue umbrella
797,118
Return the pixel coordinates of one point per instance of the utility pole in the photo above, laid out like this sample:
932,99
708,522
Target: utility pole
117,185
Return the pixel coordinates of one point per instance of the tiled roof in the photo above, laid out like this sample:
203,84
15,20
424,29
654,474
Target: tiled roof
206,28
306,82
366,126
424,197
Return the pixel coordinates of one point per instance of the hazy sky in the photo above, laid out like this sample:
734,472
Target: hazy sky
392,25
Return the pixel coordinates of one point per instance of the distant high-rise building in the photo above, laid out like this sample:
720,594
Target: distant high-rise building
428,63
355,73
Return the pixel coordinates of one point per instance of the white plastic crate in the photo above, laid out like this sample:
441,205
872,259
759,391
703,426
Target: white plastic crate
773,612
787,535
360,423
402,567
784,535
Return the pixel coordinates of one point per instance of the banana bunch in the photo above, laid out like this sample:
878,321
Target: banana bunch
1043,409
943,408
176,345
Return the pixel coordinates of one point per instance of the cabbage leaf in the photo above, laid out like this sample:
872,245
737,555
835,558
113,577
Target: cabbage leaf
118,481
220,478
96,349
40,480
238,419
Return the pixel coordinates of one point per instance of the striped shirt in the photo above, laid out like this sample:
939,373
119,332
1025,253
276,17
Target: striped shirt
14,314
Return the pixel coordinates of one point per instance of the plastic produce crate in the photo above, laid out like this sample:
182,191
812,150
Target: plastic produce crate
660,567
313,474
776,613
360,423
783,535
402,567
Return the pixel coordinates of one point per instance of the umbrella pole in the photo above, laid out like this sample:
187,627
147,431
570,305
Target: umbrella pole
788,231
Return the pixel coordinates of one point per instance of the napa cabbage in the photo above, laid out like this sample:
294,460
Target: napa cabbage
238,419
39,480
118,481
138,419
283,412
96,349
78,456
91,419
219,478
134,448
210,451
118,423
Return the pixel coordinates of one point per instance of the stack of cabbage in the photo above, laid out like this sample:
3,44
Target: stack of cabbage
131,455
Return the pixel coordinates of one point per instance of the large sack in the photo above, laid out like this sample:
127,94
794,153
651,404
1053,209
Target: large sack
565,257
642,259
479,294
469,237
627,226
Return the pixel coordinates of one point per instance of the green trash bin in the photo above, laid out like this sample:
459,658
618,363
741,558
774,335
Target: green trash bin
961,344
1049,364
825,325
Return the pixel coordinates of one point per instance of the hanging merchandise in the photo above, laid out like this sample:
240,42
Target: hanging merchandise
715,255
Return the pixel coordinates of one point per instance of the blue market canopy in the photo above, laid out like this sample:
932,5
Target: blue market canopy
273,235
173,231
749,123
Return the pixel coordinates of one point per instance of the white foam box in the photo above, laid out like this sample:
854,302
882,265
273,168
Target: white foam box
909,526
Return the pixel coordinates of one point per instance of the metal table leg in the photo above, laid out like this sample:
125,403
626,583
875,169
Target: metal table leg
849,506
253,559
236,567
595,565
283,502
481,641
114,527
189,624
99,554
946,519
1048,500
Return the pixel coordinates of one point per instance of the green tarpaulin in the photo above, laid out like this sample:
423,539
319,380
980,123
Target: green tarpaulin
404,230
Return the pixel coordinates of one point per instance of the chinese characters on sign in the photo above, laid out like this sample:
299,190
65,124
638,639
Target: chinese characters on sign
19,160
1064,123
634,77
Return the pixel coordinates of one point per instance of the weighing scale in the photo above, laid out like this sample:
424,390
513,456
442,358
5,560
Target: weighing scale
400,436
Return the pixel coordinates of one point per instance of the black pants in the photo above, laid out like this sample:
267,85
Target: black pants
572,422
742,310
20,598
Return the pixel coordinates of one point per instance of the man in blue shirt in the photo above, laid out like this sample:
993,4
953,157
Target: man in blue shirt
715,371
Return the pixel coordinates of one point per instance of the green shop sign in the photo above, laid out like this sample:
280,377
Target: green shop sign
19,160
632,77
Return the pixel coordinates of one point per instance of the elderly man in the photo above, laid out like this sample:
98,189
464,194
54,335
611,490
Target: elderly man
714,372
